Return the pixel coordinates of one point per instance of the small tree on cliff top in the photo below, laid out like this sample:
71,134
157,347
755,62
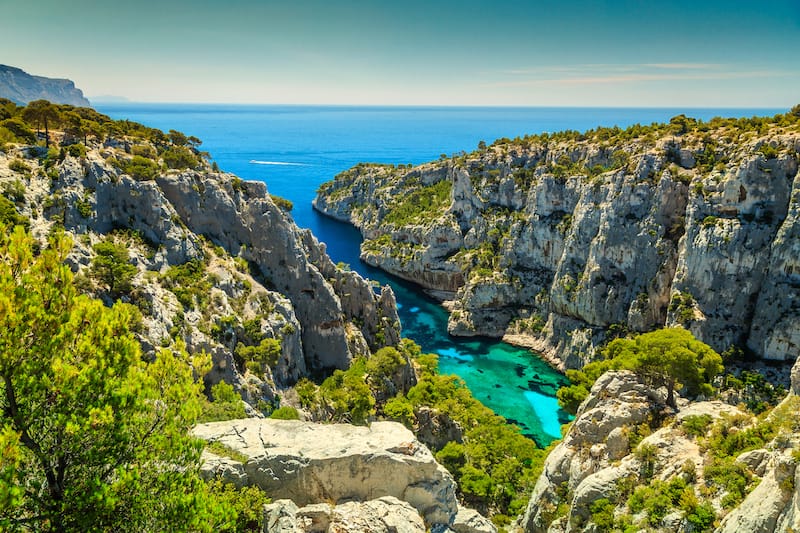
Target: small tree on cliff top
669,357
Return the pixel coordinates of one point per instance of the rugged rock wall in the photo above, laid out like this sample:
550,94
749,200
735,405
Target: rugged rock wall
604,457
553,240
21,88
256,266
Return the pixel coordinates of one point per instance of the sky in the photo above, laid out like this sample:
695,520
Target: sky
625,53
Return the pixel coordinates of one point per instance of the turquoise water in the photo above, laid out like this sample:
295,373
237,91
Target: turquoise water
294,149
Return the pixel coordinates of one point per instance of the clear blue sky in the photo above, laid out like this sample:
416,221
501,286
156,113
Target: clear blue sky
451,52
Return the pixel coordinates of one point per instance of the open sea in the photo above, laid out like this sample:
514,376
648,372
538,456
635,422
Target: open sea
294,149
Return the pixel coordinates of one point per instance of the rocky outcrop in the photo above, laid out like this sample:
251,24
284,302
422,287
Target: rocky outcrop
244,221
382,515
21,88
471,521
561,238
584,463
248,273
318,463
624,439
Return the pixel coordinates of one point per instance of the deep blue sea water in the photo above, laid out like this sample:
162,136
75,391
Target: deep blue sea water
296,148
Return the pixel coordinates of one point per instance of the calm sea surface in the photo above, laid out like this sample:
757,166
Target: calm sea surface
296,148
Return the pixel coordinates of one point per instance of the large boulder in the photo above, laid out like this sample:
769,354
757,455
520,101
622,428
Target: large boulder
383,515
314,463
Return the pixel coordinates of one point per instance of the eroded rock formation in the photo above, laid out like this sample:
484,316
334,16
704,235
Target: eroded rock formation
556,240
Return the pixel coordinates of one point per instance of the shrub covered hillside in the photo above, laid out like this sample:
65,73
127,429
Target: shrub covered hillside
556,240
176,289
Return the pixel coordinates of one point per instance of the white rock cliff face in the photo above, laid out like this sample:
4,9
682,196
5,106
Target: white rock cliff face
317,463
295,293
528,243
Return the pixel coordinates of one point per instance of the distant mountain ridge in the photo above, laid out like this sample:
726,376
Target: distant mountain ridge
21,88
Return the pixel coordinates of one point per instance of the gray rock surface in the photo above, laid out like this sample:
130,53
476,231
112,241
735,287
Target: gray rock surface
554,259
21,88
591,463
314,463
766,505
381,515
321,315
471,521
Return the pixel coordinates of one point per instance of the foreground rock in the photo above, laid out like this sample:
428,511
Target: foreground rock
383,515
624,439
318,463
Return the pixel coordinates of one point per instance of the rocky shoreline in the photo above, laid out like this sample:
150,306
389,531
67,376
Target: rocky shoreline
565,238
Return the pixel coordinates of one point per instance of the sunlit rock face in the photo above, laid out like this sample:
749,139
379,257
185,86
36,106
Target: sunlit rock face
561,240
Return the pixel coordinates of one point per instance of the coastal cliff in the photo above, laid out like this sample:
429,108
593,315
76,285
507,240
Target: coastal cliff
21,88
217,264
555,240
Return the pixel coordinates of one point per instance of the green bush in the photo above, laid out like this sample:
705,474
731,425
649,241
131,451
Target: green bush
189,282
769,151
226,404
77,150
111,267
84,206
286,412
19,130
307,392
346,396
179,157
731,477
400,410
14,191
281,202
421,204
696,425
17,165
141,168
266,353
9,216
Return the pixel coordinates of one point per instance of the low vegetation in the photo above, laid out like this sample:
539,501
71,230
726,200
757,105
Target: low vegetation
87,425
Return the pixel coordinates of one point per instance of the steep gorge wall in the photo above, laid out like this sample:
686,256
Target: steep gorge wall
556,240
322,316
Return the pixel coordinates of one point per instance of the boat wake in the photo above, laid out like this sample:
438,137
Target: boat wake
277,163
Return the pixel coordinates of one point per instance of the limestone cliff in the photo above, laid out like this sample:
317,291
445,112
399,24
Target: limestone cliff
627,463
218,264
553,240
21,88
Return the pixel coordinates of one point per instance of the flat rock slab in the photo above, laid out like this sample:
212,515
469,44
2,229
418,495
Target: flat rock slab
314,463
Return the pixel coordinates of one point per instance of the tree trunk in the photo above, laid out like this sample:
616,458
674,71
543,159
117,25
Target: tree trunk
671,393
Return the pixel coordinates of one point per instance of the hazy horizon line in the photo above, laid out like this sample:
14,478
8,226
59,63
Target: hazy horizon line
126,101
